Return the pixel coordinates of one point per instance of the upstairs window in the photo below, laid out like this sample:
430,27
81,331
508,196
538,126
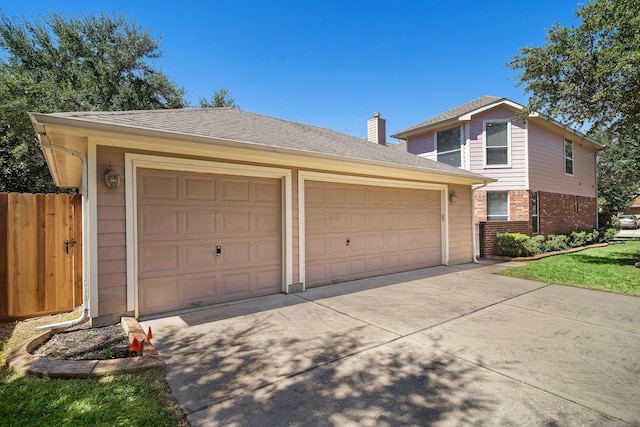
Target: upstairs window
497,143
448,146
568,157
497,206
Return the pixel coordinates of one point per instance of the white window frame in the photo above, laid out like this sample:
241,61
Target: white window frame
535,207
484,143
572,158
438,152
508,205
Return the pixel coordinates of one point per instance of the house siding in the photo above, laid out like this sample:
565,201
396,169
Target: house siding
460,232
423,145
513,177
111,230
546,161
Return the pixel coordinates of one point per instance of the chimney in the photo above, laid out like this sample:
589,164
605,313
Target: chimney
377,130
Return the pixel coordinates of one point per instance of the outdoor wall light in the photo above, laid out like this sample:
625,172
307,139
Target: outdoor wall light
112,178
453,197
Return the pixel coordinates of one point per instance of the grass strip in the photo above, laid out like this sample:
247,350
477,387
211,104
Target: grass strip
609,268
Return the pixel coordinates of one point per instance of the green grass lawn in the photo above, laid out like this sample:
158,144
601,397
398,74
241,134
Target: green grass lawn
140,399
608,269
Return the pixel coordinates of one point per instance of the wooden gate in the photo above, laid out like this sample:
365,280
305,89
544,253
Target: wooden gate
40,254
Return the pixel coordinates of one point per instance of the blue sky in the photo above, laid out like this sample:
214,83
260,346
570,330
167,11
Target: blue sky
333,63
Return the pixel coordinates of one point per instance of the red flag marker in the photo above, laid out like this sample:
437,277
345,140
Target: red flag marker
149,334
135,345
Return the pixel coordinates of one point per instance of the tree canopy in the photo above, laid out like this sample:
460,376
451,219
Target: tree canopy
64,63
588,76
219,98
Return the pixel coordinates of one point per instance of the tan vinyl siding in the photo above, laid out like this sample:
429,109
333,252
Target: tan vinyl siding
546,159
513,177
112,263
460,234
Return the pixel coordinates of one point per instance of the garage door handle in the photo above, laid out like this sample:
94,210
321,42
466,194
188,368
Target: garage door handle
218,250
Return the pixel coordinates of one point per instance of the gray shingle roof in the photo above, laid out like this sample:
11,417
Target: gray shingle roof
255,129
452,114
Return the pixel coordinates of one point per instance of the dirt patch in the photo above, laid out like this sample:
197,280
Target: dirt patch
85,343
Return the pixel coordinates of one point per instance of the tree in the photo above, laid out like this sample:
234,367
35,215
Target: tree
61,63
219,98
589,76
618,173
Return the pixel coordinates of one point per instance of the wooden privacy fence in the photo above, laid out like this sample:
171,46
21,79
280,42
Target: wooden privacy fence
40,254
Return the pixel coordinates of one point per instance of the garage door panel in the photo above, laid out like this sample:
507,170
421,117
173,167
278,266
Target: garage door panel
336,220
266,252
199,289
357,196
358,268
264,279
199,189
374,196
266,222
316,247
314,193
199,222
336,195
234,221
159,258
266,191
159,186
159,222
183,216
315,222
160,293
234,189
236,285
390,230
198,256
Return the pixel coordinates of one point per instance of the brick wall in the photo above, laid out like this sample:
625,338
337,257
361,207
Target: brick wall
559,214
488,231
519,205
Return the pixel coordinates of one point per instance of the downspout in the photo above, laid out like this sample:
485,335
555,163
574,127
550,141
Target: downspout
473,220
85,245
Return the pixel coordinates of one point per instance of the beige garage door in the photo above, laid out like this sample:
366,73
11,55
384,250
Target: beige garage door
206,238
357,231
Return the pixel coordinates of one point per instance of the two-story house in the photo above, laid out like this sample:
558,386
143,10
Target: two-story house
546,172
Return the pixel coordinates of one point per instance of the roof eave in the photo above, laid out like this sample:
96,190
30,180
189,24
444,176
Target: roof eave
41,120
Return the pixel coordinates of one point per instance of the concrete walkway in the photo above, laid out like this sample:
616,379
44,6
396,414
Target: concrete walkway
440,346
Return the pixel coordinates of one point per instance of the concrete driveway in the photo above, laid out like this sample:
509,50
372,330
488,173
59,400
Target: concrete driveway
440,346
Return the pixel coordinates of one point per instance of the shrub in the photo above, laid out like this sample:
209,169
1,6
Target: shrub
518,244
605,235
556,242
577,239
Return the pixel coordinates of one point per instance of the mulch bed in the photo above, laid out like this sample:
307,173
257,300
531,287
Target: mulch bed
85,343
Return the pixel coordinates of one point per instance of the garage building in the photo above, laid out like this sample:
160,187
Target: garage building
194,207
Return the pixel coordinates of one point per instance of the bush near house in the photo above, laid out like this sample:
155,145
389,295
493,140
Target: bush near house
521,245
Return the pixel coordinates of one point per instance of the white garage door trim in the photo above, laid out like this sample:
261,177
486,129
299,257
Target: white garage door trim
135,161
379,182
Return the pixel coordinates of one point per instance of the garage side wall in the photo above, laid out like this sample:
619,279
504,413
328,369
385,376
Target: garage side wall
111,230
460,233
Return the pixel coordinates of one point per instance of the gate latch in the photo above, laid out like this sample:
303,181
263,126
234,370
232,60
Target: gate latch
71,242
